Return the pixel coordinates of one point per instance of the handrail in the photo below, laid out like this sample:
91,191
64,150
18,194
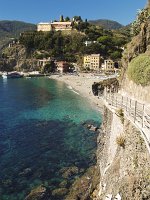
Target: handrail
139,113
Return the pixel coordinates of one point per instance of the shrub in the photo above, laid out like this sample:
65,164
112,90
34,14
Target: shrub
120,113
120,140
139,70
142,16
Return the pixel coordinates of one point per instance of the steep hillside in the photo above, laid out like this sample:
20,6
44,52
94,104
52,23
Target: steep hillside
135,61
106,24
12,29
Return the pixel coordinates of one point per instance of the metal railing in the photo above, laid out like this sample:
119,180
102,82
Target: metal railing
137,112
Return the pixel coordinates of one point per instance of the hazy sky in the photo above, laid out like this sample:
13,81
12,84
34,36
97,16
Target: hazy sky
35,11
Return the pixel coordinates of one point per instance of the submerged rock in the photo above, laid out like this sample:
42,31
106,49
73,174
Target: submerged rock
63,184
26,172
93,128
84,187
38,193
59,192
67,172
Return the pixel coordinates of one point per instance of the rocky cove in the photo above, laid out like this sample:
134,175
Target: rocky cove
122,168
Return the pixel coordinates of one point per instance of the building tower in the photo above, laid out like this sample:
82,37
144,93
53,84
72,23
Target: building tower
61,18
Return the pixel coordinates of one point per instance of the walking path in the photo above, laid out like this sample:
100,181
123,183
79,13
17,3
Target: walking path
136,112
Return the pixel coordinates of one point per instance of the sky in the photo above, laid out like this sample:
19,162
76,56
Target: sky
35,11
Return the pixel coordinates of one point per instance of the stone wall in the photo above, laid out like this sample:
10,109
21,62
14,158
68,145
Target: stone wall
136,91
124,169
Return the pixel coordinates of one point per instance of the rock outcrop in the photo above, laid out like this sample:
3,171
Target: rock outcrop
17,58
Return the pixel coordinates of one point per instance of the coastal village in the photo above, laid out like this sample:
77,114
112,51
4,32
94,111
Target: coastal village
89,62
113,74
92,62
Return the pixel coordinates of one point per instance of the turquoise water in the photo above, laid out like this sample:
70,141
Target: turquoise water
41,133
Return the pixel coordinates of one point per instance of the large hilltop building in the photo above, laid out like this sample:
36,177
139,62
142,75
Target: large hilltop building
55,26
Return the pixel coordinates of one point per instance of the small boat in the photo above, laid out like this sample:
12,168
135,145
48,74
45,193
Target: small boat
12,75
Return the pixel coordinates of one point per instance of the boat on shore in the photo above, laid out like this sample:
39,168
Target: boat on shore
12,75
33,74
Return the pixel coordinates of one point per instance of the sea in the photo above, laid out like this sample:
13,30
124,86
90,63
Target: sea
43,132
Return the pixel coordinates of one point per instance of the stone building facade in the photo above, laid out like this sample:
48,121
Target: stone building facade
54,26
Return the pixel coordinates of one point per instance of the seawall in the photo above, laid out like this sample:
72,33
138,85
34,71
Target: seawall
124,164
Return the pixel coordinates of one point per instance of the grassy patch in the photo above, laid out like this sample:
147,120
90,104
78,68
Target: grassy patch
120,114
120,140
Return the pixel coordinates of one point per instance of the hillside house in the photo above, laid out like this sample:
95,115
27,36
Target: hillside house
62,66
92,62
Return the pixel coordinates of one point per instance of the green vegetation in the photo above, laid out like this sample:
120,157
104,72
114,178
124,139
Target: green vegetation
120,113
139,70
49,67
120,140
54,44
70,46
12,29
142,16
106,24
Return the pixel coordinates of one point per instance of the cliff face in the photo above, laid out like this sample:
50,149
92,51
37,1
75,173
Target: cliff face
17,58
140,44
123,160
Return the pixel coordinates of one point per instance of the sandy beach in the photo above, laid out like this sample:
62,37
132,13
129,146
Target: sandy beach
82,84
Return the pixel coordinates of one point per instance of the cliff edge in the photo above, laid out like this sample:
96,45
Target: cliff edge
135,80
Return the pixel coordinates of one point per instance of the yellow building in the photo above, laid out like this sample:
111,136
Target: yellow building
108,65
93,62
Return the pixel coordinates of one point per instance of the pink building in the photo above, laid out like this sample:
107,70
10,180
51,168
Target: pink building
62,66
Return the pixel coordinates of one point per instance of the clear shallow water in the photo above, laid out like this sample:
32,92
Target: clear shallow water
42,132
